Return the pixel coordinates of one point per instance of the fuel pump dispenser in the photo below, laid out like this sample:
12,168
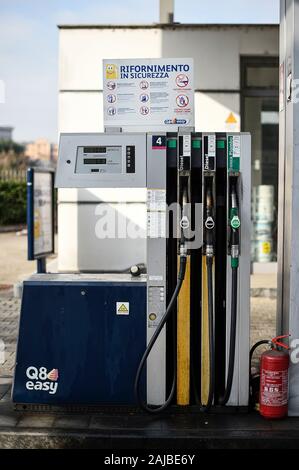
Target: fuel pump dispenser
173,329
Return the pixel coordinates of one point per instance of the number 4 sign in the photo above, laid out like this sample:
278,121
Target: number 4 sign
159,142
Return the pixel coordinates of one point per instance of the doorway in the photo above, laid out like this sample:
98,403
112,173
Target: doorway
260,117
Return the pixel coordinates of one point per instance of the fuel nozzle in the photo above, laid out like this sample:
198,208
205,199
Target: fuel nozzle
137,269
184,221
235,224
209,220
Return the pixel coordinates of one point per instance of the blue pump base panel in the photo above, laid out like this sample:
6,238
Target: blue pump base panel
81,338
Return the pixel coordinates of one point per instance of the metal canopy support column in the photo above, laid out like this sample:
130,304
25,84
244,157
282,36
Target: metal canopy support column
288,222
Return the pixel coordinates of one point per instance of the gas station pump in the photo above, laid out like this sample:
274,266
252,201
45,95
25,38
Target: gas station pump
175,332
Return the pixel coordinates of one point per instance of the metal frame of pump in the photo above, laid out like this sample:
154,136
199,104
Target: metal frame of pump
179,316
183,164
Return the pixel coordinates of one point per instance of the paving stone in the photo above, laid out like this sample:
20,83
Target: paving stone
36,421
71,422
7,397
8,421
9,322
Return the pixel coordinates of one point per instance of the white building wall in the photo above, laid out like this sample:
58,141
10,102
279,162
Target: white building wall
216,51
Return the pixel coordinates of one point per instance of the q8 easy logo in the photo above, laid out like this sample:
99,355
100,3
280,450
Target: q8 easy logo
41,379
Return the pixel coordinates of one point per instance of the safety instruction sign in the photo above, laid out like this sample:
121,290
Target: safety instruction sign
156,213
148,92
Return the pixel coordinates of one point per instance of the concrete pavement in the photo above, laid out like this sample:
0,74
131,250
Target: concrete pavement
13,258
14,266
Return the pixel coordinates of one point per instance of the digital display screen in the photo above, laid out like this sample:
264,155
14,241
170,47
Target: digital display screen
101,159
94,149
94,161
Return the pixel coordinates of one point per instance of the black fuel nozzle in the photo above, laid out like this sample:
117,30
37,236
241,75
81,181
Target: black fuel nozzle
184,222
137,269
235,224
209,221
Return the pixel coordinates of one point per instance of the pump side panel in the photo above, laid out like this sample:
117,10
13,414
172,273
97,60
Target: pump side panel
95,350
244,271
240,386
156,265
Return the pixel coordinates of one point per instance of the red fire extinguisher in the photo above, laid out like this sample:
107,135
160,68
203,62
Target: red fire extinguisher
274,380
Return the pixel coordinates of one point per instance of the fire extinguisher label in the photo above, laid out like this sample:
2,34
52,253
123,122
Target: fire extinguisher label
274,387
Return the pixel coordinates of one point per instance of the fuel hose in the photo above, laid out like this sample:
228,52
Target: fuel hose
205,408
209,242
166,316
169,311
232,343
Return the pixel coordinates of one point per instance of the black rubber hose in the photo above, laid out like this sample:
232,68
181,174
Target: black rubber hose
257,345
169,310
252,350
232,343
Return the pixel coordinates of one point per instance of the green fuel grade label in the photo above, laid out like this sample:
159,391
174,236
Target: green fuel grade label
235,222
233,152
